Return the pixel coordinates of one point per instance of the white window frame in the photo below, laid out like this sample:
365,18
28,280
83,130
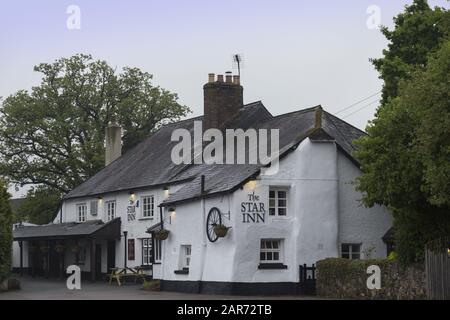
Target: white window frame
146,251
350,251
151,207
267,249
110,216
157,250
276,199
81,209
186,254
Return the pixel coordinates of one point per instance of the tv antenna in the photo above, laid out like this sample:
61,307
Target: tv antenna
237,62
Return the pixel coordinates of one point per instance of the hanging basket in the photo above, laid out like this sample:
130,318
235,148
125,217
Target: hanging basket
59,248
162,234
75,248
44,249
221,231
32,249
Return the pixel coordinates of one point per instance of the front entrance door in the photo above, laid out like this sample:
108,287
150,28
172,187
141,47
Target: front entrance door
98,261
111,258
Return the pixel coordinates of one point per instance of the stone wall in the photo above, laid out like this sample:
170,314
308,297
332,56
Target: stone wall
346,279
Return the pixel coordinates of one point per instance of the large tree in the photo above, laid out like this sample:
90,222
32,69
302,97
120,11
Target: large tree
54,135
5,232
406,157
418,31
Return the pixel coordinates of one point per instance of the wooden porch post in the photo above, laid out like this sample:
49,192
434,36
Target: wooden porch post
92,257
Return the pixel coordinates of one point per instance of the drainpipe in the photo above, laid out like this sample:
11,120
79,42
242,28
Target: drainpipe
203,243
125,233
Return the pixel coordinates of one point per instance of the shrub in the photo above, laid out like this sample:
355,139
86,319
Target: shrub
6,217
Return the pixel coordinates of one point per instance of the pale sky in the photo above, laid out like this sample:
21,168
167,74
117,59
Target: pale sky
297,54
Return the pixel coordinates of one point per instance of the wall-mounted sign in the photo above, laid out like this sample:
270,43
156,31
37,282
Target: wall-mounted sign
253,210
131,211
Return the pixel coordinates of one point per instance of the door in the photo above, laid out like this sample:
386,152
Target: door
111,255
98,261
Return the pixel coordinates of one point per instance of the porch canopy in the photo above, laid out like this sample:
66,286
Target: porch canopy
92,231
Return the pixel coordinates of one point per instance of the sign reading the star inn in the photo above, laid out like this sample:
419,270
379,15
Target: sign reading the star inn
253,210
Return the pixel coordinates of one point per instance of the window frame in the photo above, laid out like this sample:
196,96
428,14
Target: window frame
131,249
276,199
157,251
147,251
152,207
79,215
265,250
107,209
350,251
186,258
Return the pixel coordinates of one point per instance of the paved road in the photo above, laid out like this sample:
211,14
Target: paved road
43,289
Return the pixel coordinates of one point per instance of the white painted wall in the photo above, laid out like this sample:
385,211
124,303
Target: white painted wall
323,212
359,224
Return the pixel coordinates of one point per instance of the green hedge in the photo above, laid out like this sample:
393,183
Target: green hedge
347,279
6,218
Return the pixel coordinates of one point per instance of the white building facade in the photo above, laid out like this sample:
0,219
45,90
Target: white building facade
307,211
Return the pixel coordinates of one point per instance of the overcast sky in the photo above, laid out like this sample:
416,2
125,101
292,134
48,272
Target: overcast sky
297,54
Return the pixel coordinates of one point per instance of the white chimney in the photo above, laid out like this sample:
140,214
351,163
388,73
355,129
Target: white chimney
113,139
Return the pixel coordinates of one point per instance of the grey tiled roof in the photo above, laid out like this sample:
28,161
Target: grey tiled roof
149,163
61,230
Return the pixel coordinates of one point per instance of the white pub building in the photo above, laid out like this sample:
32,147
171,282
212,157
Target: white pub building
216,228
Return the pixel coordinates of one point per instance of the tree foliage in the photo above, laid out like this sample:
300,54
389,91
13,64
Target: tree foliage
418,31
6,217
40,206
405,159
54,135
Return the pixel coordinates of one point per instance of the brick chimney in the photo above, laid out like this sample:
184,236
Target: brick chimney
113,139
222,99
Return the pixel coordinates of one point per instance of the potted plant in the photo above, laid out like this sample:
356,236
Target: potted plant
161,234
221,230
75,248
59,248
44,248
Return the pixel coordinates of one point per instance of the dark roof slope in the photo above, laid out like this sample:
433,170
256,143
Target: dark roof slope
67,230
149,163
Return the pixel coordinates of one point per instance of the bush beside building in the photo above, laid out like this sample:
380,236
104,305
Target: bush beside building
5,233
347,279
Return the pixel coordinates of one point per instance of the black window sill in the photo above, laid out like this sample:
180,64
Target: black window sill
145,218
183,271
272,266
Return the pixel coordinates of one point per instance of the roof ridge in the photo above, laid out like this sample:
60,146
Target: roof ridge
340,119
297,111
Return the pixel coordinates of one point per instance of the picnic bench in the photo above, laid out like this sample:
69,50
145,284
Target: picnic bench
119,273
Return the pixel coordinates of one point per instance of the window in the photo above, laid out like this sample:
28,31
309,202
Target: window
277,202
130,249
110,210
94,207
158,253
271,251
146,251
185,256
351,251
147,207
81,212
81,255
